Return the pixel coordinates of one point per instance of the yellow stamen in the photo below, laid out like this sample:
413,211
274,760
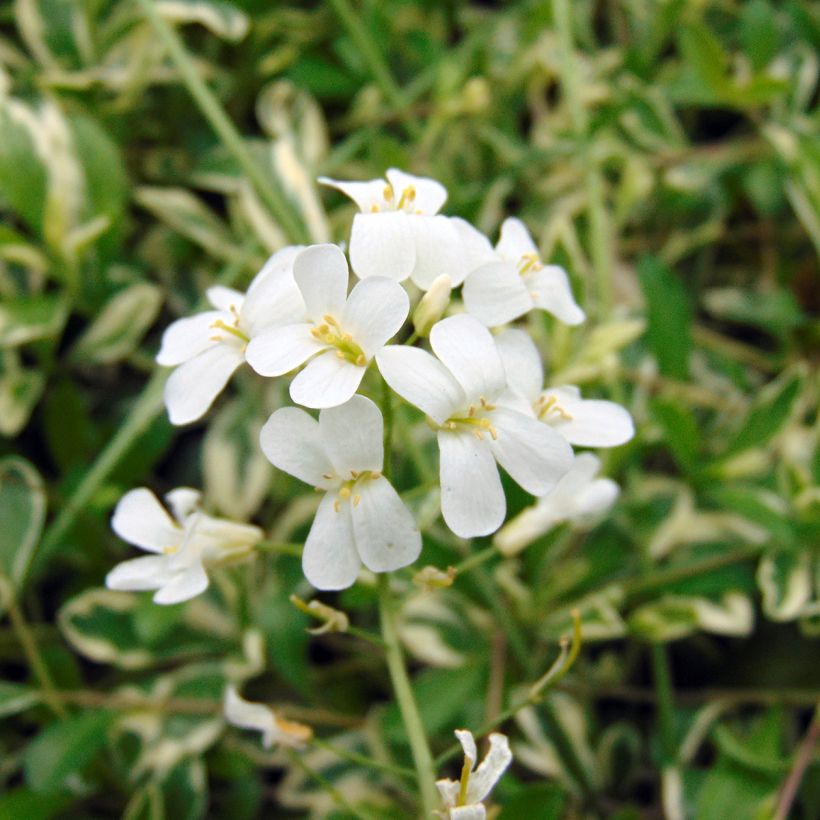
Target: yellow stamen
235,331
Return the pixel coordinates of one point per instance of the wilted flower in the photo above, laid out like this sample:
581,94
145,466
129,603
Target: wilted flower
185,544
207,348
400,233
578,496
517,281
338,336
460,391
463,798
361,518
582,422
275,730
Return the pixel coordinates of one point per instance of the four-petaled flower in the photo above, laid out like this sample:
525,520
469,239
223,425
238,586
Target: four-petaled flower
185,544
579,496
260,718
463,391
341,335
207,348
399,232
517,281
361,518
582,422
463,798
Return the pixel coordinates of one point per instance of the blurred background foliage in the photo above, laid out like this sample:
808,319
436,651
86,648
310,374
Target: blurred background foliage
666,153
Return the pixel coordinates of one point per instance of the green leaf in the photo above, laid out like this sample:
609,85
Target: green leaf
23,177
64,748
785,583
120,326
759,33
769,413
758,505
24,803
680,433
20,390
221,18
22,515
538,801
15,697
703,52
670,317
29,318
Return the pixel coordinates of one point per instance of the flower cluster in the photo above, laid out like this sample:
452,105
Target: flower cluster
480,387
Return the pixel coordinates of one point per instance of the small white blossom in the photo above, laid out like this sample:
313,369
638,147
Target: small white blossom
582,422
275,730
463,393
207,348
361,518
184,545
338,335
400,233
578,496
517,281
463,798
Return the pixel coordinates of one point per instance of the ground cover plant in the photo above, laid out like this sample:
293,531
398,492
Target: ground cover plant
409,407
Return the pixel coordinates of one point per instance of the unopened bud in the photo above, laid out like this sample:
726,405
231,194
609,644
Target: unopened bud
432,305
431,578
334,619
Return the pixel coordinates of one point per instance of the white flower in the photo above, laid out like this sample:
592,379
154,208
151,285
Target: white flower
463,799
361,518
207,348
339,334
517,281
260,718
582,422
462,391
400,233
185,544
578,496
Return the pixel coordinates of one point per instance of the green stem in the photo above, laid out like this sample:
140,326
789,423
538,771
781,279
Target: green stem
476,560
266,187
600,234
665,698
416,735
363,760
387,412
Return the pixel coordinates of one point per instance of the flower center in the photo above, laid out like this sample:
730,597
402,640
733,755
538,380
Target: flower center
474,420
347,490
331,334
405,202
232,328
548,409
528,263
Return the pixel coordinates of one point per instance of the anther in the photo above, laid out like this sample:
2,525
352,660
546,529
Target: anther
356,500
344,493
327,476
354,474
339,354
361,360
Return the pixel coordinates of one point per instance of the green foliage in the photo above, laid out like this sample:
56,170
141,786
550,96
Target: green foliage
688,184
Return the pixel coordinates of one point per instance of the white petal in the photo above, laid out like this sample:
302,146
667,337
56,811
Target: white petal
374,313
364,194
495,294
184,585
326,381
352,436
515,241
281,349
596,498
484,778
449,791
467,741
474,812
583,471
321,273
382,244
273,297
291,441
422,380
223,298
594,422
138,574
183,502
430,194
534,460
522,363
472,498
193,386
386,534
247,715
550,290
438,250
468,351
475,247
141,520
188,337
330,560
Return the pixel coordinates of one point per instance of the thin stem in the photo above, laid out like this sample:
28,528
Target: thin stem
280,548
416,735
665,700
387,412
32,652
213,111
600,234
476,560
788,794
363,760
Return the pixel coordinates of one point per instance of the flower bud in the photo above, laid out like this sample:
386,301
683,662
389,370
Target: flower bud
432,305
